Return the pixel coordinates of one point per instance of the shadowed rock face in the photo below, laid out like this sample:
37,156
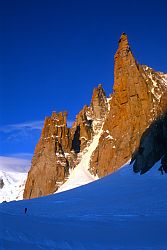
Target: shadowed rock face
139,97
89,120
59,147
152,148
135,103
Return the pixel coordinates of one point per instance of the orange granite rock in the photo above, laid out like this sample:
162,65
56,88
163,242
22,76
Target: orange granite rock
134,104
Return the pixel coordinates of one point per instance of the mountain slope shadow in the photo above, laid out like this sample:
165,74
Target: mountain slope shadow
152,147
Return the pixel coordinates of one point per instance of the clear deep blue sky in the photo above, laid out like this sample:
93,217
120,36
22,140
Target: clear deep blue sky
53,53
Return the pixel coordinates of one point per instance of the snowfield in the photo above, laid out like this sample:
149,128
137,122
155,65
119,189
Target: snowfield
121,211
13,175
14,184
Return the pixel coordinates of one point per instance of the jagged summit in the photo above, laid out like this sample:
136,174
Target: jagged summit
105,134
135,103
123,37
123,41
59,148
99,104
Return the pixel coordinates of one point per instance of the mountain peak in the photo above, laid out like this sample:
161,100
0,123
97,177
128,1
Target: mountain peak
123,41
99,102
109,130
100,86
124,35
135,103
123,53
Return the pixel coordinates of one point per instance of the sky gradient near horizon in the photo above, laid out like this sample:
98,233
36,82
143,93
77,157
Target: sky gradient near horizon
53,53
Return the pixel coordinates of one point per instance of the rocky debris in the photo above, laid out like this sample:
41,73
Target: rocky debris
152,148
60,148
135,103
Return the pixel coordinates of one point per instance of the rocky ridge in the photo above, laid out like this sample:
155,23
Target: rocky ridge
61,148
136,102
139,97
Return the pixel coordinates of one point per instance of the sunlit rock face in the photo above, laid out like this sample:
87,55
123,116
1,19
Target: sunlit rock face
139,97
49,164
60,148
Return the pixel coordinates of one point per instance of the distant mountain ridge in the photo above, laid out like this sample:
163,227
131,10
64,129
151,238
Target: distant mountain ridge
13,175
104,135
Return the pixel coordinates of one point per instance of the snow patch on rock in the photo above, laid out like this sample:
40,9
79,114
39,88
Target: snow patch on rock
80,175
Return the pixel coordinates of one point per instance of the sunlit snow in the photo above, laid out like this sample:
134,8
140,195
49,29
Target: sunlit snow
123,211
13,174
80,175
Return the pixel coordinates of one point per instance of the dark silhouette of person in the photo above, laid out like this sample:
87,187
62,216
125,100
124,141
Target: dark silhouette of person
25,210
161,169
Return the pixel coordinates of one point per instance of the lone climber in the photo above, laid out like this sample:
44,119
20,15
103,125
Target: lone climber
161,169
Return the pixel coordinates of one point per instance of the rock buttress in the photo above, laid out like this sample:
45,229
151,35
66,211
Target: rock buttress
134,104
89,120
60,148
50,164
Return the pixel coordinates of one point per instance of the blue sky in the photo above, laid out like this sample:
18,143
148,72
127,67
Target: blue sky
53,53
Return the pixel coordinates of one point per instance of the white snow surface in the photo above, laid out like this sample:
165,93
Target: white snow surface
13,174
14,184
123,211
80,175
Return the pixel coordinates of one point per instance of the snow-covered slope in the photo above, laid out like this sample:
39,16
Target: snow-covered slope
80,175
13,174
118,212
13,184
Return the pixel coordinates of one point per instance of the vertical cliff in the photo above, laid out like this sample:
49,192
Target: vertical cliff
60,148
110,128
135,103
50,165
